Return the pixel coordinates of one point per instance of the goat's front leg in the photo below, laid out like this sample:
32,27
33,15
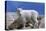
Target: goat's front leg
24,22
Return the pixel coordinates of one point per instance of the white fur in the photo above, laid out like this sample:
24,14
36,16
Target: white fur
28,13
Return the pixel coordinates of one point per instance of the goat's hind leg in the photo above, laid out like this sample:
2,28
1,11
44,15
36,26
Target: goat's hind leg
34,18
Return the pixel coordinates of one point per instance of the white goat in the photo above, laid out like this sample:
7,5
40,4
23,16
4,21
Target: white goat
29,14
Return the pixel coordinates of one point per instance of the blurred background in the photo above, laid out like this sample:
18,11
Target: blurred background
11,6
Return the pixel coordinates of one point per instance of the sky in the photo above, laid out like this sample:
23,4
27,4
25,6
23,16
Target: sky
11,6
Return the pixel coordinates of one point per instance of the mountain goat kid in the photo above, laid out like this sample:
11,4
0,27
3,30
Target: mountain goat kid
28,14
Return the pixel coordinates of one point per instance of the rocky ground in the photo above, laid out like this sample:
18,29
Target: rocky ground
11,18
